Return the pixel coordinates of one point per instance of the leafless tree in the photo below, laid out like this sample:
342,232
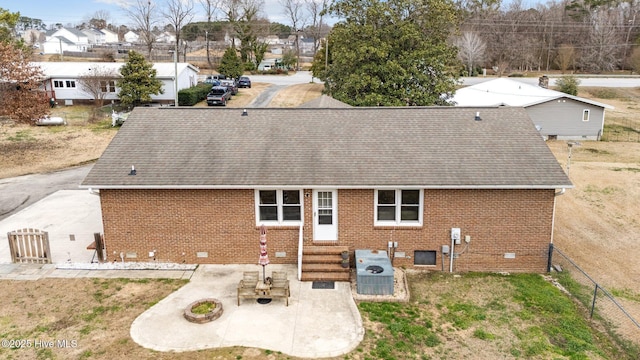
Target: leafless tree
601,52
317,29
232,10
251,29
294,10
210,7
471,49
566,57
98,82
99,19
145,16
634,60
20,96
179,13
246,23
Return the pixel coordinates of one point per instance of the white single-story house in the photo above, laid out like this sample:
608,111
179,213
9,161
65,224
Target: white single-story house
267,64
65,39
61,80
557,115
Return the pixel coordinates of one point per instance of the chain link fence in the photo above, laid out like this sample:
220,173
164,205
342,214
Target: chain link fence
626,130
620,316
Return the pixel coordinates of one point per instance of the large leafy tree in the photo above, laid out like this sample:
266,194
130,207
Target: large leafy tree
138,81
391,53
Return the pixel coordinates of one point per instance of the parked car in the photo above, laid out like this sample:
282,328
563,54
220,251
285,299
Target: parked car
212,79
212,82
231,85
244,82
219,95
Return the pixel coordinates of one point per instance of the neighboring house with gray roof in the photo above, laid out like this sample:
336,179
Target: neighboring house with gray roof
194,185
65,39
558,115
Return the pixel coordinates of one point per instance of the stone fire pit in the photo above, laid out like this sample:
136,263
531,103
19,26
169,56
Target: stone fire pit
201,318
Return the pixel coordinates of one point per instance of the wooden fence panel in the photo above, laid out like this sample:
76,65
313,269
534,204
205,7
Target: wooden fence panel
29,246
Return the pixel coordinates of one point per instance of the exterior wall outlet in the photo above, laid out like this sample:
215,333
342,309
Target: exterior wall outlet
467,238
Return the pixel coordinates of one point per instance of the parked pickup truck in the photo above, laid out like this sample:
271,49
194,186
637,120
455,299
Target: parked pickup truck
219,95
231,85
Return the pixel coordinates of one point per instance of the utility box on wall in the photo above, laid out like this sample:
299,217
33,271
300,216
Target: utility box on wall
455,235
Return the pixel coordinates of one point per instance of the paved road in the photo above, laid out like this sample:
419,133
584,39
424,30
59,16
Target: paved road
19,192
620,81
266,96
304,77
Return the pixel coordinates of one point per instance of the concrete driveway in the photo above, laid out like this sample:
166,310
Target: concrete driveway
71,217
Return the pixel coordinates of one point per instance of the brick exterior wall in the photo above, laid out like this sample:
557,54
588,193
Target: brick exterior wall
180,223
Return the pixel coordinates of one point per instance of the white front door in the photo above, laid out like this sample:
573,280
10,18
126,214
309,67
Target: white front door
325,215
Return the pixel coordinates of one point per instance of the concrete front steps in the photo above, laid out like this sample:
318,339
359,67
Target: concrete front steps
323,263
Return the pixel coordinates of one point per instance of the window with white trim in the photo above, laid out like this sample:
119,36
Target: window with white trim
70,83
585,114
398,207
279,207
107,86
58,83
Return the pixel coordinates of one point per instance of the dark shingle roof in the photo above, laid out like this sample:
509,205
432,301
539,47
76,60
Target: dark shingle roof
433,147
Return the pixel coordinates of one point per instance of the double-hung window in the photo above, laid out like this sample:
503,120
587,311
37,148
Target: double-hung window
398,207
279,207
585,114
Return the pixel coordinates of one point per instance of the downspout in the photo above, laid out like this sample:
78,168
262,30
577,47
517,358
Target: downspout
451,253
300,241
553,215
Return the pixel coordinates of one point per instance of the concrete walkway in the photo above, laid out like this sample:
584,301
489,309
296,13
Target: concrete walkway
40,271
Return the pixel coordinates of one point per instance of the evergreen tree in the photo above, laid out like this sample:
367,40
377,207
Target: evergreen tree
568,84
390,53
138,81
230,64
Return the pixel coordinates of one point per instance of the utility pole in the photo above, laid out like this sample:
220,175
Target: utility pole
175,65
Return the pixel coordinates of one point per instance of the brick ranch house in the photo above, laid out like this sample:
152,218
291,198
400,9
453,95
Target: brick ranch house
330,179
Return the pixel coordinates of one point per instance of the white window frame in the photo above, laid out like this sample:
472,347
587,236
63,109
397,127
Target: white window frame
398,206
70,84
58,84
586,112
280,205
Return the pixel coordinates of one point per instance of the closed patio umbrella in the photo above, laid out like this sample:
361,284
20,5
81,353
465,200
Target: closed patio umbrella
264,257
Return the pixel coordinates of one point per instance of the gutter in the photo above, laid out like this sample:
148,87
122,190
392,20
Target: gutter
297,187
